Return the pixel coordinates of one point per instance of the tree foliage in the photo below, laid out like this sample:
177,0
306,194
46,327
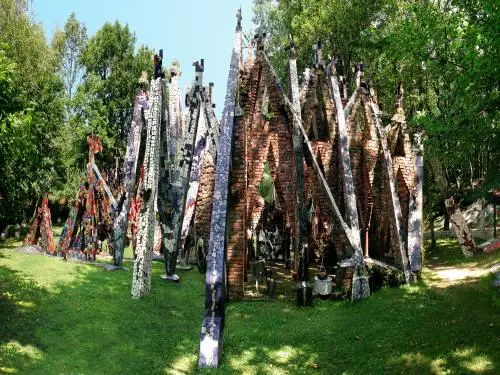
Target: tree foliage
445,52
68,45
53,96
103,101
31,112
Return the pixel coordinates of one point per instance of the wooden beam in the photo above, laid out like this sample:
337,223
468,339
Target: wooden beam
348,180
396,206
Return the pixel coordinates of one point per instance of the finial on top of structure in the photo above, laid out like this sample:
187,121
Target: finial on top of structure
332,65
95,146
399,95
259,41
143,81
238,20
359,73
199,68
158,59
318,54
210,90
291,47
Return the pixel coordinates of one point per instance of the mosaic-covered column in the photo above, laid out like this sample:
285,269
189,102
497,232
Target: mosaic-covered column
202,145
141,280
173,189
415,219
300,207
128,177
213,323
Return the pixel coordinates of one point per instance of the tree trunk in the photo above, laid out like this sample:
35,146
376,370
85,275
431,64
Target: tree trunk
457,220
446,225
433,233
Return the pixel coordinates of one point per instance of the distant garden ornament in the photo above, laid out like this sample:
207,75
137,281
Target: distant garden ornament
91,214
40,230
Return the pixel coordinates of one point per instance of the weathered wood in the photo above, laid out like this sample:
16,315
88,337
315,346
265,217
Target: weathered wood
348,181
141,280
112,199
213,323
396,206
350,104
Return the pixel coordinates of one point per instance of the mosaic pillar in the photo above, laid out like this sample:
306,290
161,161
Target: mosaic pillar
213,323
129,172
141,280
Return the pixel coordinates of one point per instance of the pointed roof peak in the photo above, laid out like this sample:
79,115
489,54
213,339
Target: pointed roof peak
238,20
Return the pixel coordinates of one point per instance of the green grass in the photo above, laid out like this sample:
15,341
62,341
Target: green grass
67,318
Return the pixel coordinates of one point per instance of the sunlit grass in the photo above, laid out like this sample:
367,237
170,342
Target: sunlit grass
68,318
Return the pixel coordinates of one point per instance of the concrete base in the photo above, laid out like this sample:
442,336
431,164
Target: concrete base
174,278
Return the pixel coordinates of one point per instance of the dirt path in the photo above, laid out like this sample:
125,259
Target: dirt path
444,275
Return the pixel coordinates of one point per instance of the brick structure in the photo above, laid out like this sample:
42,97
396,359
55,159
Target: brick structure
384,199
263,132
321,146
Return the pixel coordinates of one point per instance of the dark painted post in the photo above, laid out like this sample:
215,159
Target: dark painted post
174,186
300,207
129,176
213,322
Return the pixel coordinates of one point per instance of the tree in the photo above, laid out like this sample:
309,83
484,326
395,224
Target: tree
103,101
444,51
68,45
31,114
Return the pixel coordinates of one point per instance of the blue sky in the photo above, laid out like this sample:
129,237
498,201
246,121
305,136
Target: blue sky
187,30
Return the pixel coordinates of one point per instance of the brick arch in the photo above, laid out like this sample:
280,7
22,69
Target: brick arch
257,139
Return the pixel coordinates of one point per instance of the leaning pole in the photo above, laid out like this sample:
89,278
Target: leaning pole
141,280
129,175
213,323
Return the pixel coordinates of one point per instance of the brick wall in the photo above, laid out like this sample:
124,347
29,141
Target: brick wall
267,136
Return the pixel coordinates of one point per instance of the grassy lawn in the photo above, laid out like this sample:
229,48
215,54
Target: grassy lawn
67,318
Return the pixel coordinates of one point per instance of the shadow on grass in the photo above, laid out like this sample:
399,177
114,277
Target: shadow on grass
411,330
80,319
88,323
19,301
418,329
